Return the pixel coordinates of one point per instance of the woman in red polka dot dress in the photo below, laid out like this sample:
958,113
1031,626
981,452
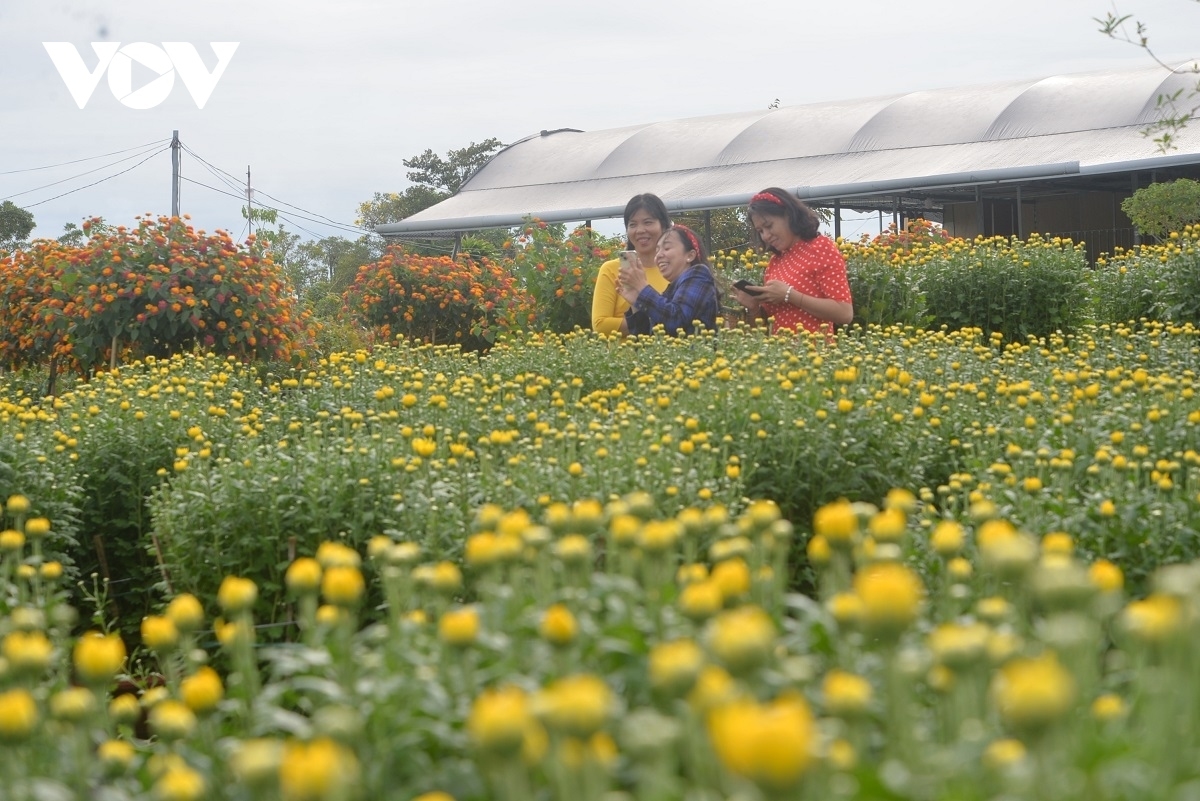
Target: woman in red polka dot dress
805,284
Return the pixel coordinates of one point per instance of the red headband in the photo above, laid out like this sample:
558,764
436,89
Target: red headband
687,232
766,197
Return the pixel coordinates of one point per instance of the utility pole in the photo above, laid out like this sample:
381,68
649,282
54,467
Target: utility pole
249,202
175,173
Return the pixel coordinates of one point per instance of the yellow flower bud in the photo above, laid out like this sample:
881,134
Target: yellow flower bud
27,652
701,600
180,783
675,665
770,744
732,577
73,704
742,638
159,633
558,626
125,708
116,754
1108,707
891,594
330,554
837,522
255,762
888,525
11,540
1003,754
98,657
237,594
845,694
185,612
1106,576
343,585
18,714
459,627
1032,693
947,538
172,720
303,576
498,721
202,691
576,705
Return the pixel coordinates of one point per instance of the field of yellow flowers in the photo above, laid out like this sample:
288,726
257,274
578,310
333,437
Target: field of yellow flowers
911,564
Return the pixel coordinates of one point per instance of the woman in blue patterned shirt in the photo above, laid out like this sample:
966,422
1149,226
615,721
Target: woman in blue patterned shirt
691,293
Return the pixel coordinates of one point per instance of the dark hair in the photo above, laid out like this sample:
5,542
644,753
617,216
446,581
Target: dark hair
801,220
649,203
689,240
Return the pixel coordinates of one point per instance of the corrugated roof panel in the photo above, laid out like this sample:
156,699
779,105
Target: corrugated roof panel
1020,130
1078,103
813,130
946,116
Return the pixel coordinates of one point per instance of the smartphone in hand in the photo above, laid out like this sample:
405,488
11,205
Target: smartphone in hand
747,287
629,258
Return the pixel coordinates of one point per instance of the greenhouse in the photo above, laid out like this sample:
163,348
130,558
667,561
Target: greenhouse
1063,150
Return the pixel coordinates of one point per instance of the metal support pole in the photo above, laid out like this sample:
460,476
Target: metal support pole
837,219
979,218
708,229
1020,222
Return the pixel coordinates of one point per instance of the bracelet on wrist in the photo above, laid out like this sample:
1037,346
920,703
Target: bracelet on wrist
787,297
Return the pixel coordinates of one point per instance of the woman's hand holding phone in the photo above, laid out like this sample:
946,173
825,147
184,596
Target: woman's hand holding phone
632,278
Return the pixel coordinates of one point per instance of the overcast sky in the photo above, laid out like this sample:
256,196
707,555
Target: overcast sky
322,100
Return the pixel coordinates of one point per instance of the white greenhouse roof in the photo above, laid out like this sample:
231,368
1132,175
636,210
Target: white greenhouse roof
1068,125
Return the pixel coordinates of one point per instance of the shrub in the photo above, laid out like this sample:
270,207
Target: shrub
158,289
437,299
1014,288
885,273
560,273
1159,209
1154,282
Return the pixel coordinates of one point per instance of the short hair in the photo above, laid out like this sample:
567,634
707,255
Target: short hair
687,237
776,202
649,203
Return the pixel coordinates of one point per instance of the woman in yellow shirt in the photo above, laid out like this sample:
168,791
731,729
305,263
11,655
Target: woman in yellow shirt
646,220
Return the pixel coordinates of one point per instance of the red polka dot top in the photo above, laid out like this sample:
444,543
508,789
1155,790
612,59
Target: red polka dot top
812,267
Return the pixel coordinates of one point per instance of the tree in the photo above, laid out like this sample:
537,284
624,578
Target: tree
727,227
434,179
1159,209
15,225
1178,108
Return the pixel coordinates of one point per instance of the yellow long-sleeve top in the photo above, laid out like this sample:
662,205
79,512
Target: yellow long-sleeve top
608,307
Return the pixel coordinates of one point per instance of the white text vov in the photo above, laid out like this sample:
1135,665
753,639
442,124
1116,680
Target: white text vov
164,61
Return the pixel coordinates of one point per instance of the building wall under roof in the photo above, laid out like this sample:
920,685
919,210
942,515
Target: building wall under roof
1094,218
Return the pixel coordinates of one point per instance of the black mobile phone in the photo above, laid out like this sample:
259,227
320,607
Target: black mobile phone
747,287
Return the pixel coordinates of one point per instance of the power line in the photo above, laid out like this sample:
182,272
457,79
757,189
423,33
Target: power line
235,183
241,198
80,175
312,215
102,180
77,161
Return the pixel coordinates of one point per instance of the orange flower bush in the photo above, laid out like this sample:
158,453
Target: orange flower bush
31,299
157,289
560,274
437,299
